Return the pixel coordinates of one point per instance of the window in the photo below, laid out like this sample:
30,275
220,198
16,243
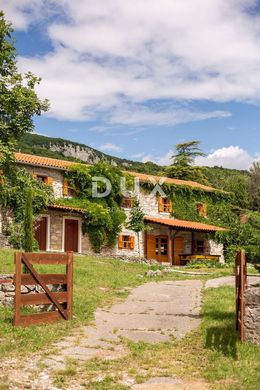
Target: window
199,246
44,179
165,205
126,242
41,178
201,209
161,246
127,203
67,190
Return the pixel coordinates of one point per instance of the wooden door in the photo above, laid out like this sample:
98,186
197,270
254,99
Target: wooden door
178,246
40,233
71,238
157,248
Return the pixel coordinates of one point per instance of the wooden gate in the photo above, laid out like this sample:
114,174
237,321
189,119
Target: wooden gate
61,301
241,281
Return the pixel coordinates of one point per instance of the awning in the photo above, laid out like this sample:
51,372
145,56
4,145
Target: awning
184,225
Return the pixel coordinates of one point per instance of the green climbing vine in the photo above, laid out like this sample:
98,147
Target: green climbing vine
102,217
220,212
14,184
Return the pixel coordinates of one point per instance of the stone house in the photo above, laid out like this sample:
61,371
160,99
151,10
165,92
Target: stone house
166,239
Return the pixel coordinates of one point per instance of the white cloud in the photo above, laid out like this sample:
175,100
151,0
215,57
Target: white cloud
160,116
110,57
160,160
24,12
109,147
227,157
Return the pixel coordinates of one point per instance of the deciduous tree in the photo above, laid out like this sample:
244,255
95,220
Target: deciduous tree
18,99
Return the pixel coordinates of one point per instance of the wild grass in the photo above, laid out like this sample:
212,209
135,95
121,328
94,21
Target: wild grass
97,282
211,354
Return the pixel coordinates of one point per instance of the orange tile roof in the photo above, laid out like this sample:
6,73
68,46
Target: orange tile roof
65,208
186,225
145,178
29,159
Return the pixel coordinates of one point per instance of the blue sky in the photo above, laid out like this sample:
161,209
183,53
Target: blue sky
135,78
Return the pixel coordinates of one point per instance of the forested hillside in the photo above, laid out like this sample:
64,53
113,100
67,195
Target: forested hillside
69,150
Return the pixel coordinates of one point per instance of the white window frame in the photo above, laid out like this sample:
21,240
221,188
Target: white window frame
79,232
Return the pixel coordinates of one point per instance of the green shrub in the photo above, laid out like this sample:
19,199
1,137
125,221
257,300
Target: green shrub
207,263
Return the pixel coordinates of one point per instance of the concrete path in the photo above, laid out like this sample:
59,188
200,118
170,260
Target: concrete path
229,281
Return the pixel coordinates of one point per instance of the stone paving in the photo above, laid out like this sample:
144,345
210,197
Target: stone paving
154,312
229,281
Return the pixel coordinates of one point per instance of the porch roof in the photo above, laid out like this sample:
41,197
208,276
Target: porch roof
185,225
65,208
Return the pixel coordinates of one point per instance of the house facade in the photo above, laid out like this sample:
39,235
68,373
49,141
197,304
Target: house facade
166,239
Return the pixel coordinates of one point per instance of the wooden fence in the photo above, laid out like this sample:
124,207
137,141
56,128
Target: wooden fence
61,301
241,282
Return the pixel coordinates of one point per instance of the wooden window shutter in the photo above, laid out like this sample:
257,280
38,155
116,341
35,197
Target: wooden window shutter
170,206
2,180
202,209
132,242
195,247
49,180
65,187
204,246
120,242
160,205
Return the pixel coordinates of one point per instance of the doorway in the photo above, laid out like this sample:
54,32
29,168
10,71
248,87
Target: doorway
41,232
71,235
178,246
157,248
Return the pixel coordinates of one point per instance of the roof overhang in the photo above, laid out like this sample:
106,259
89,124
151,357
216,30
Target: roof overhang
71,209
184,225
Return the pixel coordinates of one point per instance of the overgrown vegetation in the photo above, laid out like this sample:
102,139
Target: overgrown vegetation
102,216
14,186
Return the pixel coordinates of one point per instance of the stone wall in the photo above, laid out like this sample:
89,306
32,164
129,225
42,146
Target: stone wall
149,204
252,314
7,291
56,175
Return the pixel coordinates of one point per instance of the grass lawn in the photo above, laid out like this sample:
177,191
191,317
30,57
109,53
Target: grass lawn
211,353
97,282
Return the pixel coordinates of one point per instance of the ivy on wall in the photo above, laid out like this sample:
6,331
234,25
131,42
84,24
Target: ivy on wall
102,218
14,185
220,212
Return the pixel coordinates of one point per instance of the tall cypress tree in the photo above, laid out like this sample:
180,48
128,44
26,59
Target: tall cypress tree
136,221
28,222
